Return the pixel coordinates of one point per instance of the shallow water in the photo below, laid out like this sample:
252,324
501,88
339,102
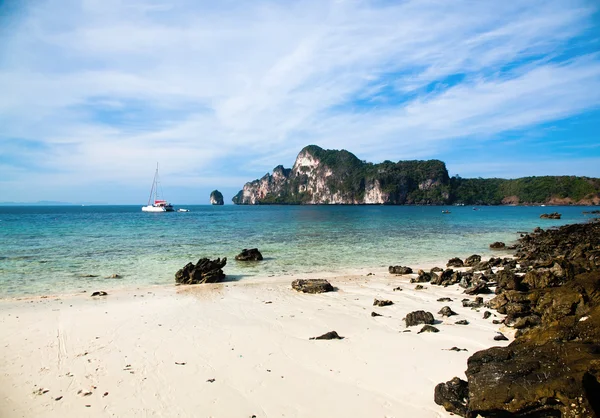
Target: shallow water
52,249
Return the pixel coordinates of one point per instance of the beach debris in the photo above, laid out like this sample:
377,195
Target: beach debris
419,287
500,337
84,392
41,391
373,314
268,302
472,260
498,245
86,276
58,398
105,394
204,271
428,328
553,215
444,300
446,311
251,254
382,302
453,396
180,363
210,380
457,349
331,335
312,285
99,293
115,276
455,262
399,270
462,322
418,318
487,314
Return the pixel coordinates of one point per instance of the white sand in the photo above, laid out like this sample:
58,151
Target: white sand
128,343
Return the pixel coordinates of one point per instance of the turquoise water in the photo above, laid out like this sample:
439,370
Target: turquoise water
49,250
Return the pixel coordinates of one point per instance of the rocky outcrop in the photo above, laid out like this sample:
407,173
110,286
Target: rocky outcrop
552,368
321,176
312,285
204,271
216,198
331,335
553,215
251,254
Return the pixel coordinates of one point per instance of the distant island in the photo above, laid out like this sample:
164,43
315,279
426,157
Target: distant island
216,198
321,177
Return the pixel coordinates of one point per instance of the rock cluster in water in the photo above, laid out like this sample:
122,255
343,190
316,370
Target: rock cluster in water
204,271
251,254
553,215
550,293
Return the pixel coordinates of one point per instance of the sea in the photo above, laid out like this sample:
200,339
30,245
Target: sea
49,250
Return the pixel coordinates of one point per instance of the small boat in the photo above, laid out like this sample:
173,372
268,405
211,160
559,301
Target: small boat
183,210
159,205
446,211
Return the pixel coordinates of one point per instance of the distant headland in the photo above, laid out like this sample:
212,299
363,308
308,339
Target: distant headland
321,177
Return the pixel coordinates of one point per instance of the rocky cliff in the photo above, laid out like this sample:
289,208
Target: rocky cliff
321,176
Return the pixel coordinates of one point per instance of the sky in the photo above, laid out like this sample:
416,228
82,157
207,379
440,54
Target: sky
94,93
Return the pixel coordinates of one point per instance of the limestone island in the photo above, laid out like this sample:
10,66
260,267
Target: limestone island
321,177
216,198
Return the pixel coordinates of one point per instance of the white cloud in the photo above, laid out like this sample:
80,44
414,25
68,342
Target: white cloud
253,82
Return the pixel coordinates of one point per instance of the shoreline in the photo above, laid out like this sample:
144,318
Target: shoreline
153,350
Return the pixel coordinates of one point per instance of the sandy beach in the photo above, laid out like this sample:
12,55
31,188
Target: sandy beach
236,349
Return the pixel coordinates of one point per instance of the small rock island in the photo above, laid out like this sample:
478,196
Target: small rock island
216,198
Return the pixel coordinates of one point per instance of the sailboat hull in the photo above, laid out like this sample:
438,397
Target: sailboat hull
151,208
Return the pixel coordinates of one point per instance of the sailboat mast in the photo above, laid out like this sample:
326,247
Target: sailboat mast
153,189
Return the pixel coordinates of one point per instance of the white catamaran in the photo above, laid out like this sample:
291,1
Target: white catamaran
159,205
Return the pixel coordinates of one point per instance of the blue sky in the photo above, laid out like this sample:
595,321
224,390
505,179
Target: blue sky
95,92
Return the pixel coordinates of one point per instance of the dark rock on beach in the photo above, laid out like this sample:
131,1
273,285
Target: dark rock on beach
455,262
497,245
552,368
399,270
251,254
418,318
453,396
472,260
204,271
374,314
428,328
444,300
382,302
312,285
331,335
446,311
422,277
462,322
99,293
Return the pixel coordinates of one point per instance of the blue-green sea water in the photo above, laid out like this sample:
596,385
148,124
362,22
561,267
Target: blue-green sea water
51,250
